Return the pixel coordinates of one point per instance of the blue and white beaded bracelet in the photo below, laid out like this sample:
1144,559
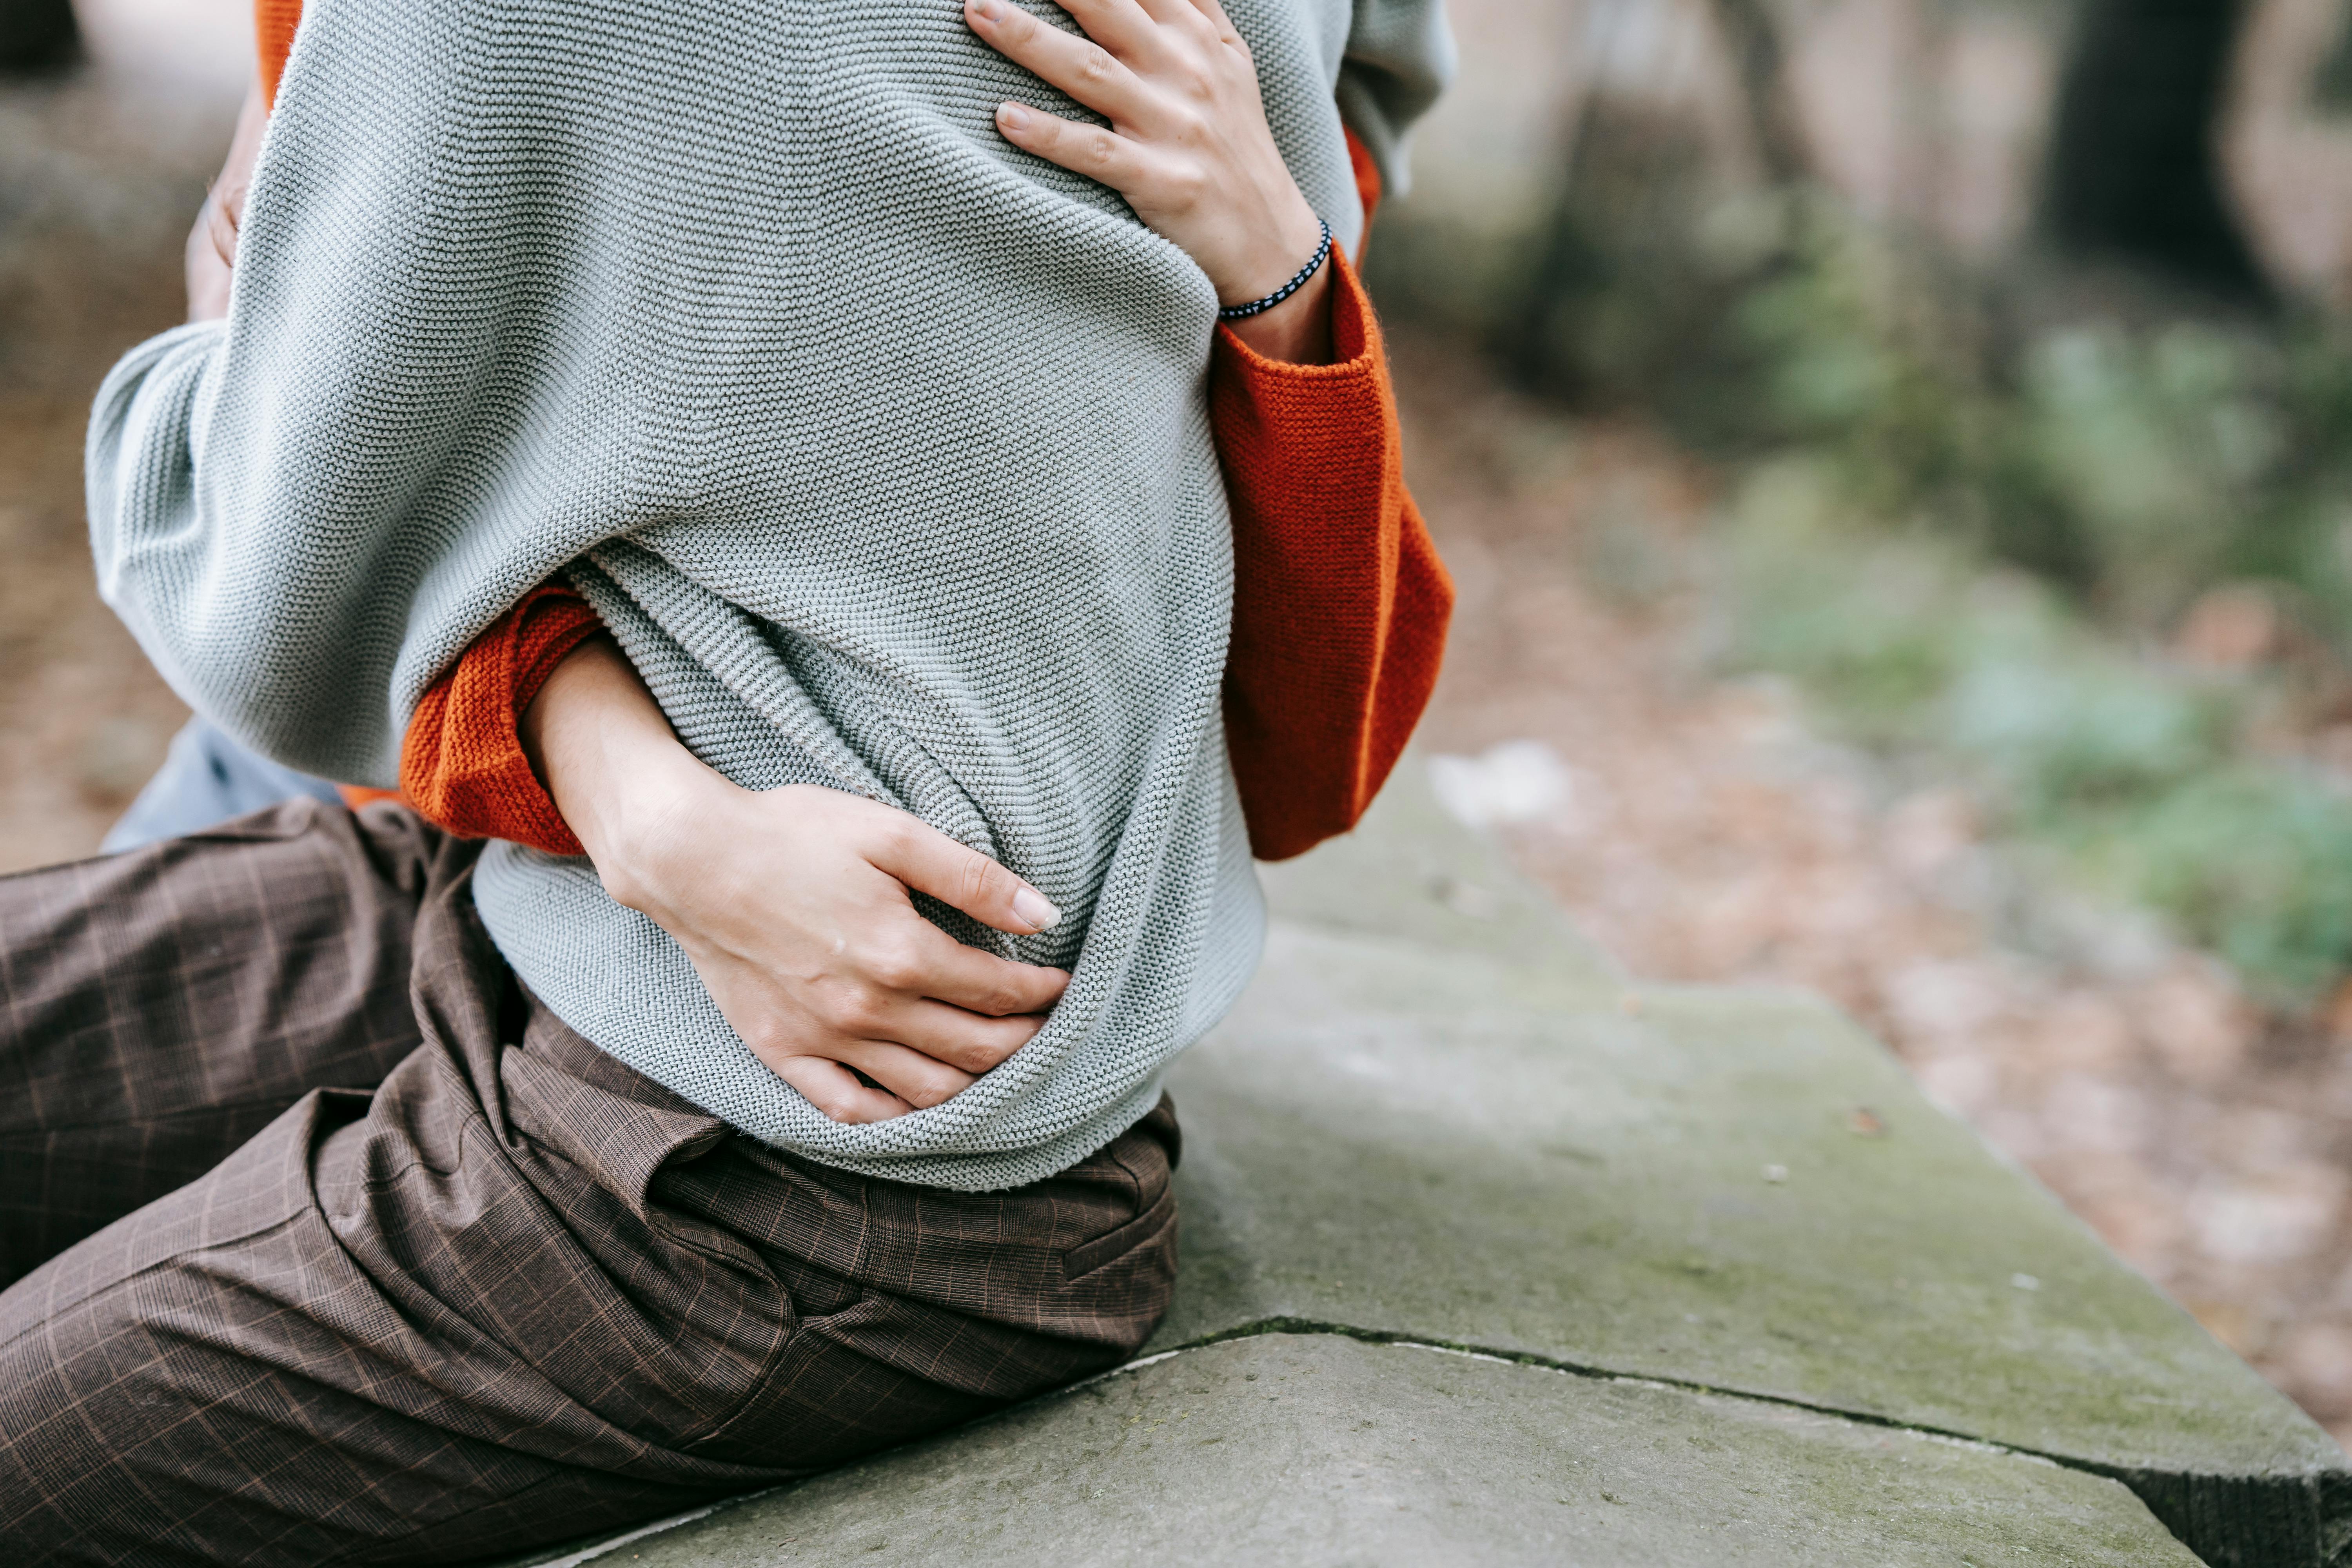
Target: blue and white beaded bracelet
1297,281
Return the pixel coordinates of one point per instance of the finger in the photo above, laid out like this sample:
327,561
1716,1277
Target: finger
928,861
1123,27
931,963
834,1090
1088,150
221,227
913,1076
964,1040
1080,67
959,1041
1215,13
1171,13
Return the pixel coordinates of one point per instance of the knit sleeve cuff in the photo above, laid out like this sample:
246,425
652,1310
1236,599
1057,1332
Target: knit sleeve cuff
462,762
1355,347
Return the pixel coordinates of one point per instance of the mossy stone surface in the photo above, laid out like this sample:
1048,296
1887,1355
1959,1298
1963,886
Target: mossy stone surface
1405,1130
1739,1191
1319,1449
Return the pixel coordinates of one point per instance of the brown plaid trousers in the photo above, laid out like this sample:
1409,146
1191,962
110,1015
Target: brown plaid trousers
323,1244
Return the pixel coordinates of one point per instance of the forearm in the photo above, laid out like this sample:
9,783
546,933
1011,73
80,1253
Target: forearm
608,758
1297,331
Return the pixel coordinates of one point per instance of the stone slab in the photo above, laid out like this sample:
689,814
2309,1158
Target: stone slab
1736,1191
1309,1450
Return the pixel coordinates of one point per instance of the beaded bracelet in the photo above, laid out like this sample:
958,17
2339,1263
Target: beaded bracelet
1297,281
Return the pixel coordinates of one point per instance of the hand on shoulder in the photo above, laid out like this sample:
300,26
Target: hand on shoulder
1188,146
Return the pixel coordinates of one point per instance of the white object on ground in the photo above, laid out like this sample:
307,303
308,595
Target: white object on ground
1515,781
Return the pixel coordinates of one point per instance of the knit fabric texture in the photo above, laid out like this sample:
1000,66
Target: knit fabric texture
1339,612
462,764
1340,603
538,286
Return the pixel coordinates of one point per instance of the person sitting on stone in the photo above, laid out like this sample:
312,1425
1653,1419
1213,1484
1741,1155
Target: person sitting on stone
844,610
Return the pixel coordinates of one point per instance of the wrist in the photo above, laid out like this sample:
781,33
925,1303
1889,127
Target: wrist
636,815
618,775
1278,249
1297,331
1295,328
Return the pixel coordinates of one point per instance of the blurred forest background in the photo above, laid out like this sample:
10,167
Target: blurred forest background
1896,455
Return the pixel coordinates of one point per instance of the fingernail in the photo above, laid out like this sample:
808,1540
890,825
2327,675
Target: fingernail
1012,117
985,10
1031,906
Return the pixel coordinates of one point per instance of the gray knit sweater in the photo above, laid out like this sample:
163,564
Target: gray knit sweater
881,447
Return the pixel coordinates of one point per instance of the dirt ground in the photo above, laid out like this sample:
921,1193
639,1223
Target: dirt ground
1693,825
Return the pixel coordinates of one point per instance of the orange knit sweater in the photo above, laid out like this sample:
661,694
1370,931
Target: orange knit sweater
1339,601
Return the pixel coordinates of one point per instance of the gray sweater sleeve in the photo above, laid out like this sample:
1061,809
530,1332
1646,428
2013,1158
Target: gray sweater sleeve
141,465
1400,56
411,415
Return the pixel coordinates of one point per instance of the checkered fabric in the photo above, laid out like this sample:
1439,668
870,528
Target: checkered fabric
329,1245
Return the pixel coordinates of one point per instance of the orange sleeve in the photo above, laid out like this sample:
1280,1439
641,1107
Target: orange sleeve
274,22
1340,603
462,763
